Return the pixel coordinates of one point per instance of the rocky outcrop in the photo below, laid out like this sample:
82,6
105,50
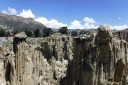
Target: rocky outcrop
99,58
121,35
40,62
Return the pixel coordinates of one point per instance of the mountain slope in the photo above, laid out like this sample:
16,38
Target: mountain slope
13,22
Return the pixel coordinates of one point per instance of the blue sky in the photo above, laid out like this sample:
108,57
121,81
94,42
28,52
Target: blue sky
73,13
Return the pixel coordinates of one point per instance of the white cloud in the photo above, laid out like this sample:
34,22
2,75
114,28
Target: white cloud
4,12
119,27
27,14
50,23
10,11
89,20
89,26
42,20
89,23
76,25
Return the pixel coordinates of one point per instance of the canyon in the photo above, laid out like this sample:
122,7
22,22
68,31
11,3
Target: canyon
96,58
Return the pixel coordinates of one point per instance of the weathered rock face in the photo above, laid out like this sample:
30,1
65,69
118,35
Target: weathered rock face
28,62
99,58
121,35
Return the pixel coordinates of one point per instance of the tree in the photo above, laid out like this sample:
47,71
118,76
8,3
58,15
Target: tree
82,32
2,33
28,33
37,33
7,34
47,32
15,32
63,30
74,33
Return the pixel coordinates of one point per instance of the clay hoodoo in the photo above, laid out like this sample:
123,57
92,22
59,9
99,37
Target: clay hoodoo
97,58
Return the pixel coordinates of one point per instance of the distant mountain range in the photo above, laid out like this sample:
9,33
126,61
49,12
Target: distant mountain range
13,22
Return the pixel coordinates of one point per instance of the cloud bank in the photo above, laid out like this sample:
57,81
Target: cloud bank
10,11
119,27
76,25
87,22
27,14
53,23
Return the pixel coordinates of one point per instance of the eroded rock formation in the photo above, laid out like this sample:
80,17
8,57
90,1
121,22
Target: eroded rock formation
97,58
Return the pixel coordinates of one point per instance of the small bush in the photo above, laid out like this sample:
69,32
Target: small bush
37,33
28,33
47,32
74,33
63,30
2,33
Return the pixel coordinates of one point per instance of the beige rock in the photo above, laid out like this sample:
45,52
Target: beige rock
96,59
21,35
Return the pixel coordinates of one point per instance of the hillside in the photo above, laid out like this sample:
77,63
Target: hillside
12,22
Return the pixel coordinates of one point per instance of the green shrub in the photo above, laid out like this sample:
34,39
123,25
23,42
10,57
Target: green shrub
47,32
2,33
63,30
28,33
37,33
